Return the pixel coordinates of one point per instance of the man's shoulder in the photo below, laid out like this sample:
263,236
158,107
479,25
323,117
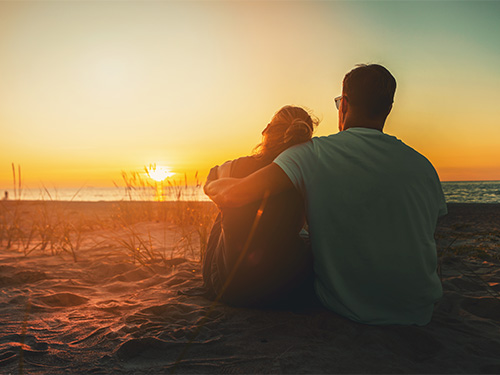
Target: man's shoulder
413,159
409,149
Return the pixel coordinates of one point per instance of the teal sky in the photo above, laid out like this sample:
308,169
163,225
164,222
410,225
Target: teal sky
92,88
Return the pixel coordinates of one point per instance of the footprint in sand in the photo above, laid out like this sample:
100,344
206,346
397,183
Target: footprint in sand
22,277
63,300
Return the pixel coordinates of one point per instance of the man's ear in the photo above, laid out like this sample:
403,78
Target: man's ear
344,105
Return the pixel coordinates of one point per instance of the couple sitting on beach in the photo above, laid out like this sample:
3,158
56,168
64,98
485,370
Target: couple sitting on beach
349,218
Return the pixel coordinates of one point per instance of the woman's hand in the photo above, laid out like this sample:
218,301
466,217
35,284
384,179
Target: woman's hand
213,174
217,190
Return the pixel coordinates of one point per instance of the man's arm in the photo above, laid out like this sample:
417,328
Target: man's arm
236,192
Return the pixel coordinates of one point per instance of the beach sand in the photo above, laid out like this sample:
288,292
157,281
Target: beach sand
108,313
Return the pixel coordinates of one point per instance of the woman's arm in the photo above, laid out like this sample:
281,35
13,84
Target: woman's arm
236,192
219,171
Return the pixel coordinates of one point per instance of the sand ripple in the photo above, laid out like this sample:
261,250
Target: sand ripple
106,314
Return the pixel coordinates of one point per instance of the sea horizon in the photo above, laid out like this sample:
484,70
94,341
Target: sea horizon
487,191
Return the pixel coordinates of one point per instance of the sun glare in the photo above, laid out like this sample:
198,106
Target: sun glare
158,173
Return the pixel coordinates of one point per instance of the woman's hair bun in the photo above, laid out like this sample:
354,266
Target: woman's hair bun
299,131
289,126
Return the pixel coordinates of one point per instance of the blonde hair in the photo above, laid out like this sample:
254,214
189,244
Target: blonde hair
289,126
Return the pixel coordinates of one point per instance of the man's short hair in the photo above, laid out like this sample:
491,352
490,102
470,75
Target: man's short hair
370,88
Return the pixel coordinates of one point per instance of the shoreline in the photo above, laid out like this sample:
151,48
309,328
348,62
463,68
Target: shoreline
31,201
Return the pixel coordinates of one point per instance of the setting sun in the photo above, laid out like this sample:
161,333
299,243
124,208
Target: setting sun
158,173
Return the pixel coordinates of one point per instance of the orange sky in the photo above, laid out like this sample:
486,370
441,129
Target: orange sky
89,89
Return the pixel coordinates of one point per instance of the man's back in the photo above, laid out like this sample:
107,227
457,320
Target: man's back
373,204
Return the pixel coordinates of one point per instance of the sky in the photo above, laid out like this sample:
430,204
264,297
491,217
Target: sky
91,89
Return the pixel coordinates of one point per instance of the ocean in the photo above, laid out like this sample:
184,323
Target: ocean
472,191
455,192
96,194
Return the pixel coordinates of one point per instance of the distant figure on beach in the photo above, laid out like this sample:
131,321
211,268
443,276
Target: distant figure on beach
255,255
372,207
5,196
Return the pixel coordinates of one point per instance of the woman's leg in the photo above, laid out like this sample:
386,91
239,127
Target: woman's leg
209,268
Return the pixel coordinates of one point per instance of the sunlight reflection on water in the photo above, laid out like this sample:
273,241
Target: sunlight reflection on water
95,194
472,191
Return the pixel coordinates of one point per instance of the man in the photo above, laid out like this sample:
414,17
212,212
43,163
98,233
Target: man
372,207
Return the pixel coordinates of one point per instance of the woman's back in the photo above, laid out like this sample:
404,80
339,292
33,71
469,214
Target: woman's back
274,258
254,253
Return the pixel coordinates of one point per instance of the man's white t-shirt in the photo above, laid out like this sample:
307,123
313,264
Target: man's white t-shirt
372,207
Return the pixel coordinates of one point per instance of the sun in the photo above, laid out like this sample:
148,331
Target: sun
158,173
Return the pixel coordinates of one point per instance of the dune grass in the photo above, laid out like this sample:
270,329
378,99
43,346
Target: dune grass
191,219
54,227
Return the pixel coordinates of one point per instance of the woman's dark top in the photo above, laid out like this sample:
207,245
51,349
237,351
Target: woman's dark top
275,261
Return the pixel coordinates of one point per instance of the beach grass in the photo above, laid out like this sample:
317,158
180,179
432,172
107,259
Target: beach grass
54,227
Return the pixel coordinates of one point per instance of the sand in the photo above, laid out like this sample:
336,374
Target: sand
108,313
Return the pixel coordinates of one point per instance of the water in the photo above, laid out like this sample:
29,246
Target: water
455,192
96,194
472,191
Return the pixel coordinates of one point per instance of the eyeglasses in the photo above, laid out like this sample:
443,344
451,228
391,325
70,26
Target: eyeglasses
337,101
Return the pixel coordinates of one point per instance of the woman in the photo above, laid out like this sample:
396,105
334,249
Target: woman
260,259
